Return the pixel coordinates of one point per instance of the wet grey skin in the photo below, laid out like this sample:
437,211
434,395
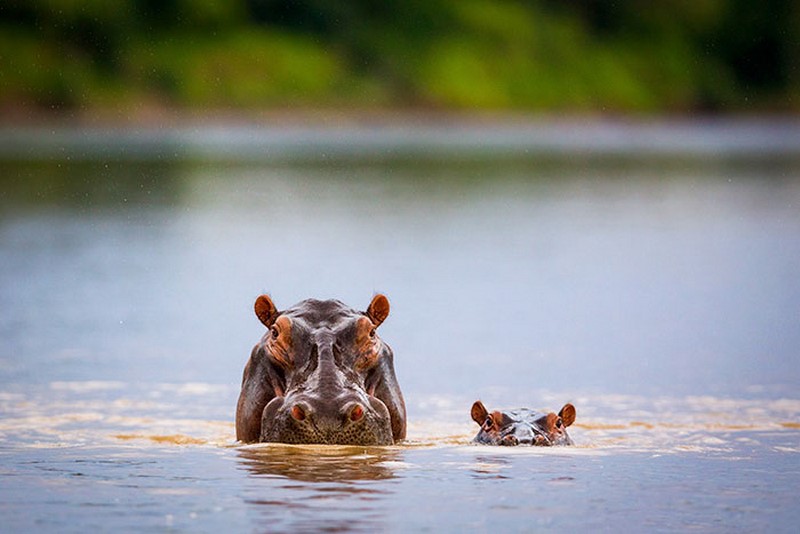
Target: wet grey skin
321,374
522,426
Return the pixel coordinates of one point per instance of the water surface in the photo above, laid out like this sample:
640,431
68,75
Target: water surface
656,292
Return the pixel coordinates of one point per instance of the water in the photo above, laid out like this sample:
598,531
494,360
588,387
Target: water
658,292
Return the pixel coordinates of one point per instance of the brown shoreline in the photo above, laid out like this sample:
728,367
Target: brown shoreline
150,115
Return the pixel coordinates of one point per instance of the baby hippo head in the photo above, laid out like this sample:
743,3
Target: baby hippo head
523,426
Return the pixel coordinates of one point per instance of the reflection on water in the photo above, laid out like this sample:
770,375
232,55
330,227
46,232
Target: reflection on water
320,463
489,467
635,277
330,488
90,186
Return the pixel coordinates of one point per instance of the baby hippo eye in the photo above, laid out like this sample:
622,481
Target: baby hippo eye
274,332
372,334
489,423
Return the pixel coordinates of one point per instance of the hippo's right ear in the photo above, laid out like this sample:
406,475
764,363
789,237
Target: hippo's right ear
378,309
266,310
567,414
479,412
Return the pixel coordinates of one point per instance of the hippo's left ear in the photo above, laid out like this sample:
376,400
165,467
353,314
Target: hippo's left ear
266,310
567,414
378,309
479,412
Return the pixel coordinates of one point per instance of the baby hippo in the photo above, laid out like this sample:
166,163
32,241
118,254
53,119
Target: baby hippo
523,426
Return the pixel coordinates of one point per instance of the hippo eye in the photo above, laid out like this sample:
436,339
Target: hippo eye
372,333
489,423
274,332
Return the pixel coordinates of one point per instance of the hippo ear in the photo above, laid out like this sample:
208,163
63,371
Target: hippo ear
266,310
479,412
567,414
378,309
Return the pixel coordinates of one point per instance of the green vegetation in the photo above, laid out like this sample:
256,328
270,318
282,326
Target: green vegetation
545,55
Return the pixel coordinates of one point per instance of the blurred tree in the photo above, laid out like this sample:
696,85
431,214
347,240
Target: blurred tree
626,55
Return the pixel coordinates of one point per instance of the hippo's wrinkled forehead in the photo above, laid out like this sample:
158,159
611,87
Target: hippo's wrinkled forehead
316,314
523,416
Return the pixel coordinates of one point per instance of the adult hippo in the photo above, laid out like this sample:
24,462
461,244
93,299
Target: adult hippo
523,426
321,374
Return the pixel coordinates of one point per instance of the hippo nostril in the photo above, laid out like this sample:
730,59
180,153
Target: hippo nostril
356,413
510,440
298,413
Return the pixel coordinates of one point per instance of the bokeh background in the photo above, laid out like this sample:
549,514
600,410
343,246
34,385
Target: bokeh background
136,58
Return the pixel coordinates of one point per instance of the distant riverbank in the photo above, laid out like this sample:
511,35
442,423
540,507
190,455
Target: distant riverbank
331,136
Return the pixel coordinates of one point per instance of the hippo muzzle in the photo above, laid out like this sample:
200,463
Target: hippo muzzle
349,419
523,433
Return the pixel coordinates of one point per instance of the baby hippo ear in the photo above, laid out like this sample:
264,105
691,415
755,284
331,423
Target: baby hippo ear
378,309
567,414
266,310
479,412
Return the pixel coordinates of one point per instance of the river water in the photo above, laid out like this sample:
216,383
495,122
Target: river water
651,278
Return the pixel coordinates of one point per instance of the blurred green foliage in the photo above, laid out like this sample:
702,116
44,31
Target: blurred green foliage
540,55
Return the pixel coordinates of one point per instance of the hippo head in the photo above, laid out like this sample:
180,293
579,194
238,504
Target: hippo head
321,374
523,427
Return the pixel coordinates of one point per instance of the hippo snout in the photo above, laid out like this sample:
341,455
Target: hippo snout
523,435
348,419
326,415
